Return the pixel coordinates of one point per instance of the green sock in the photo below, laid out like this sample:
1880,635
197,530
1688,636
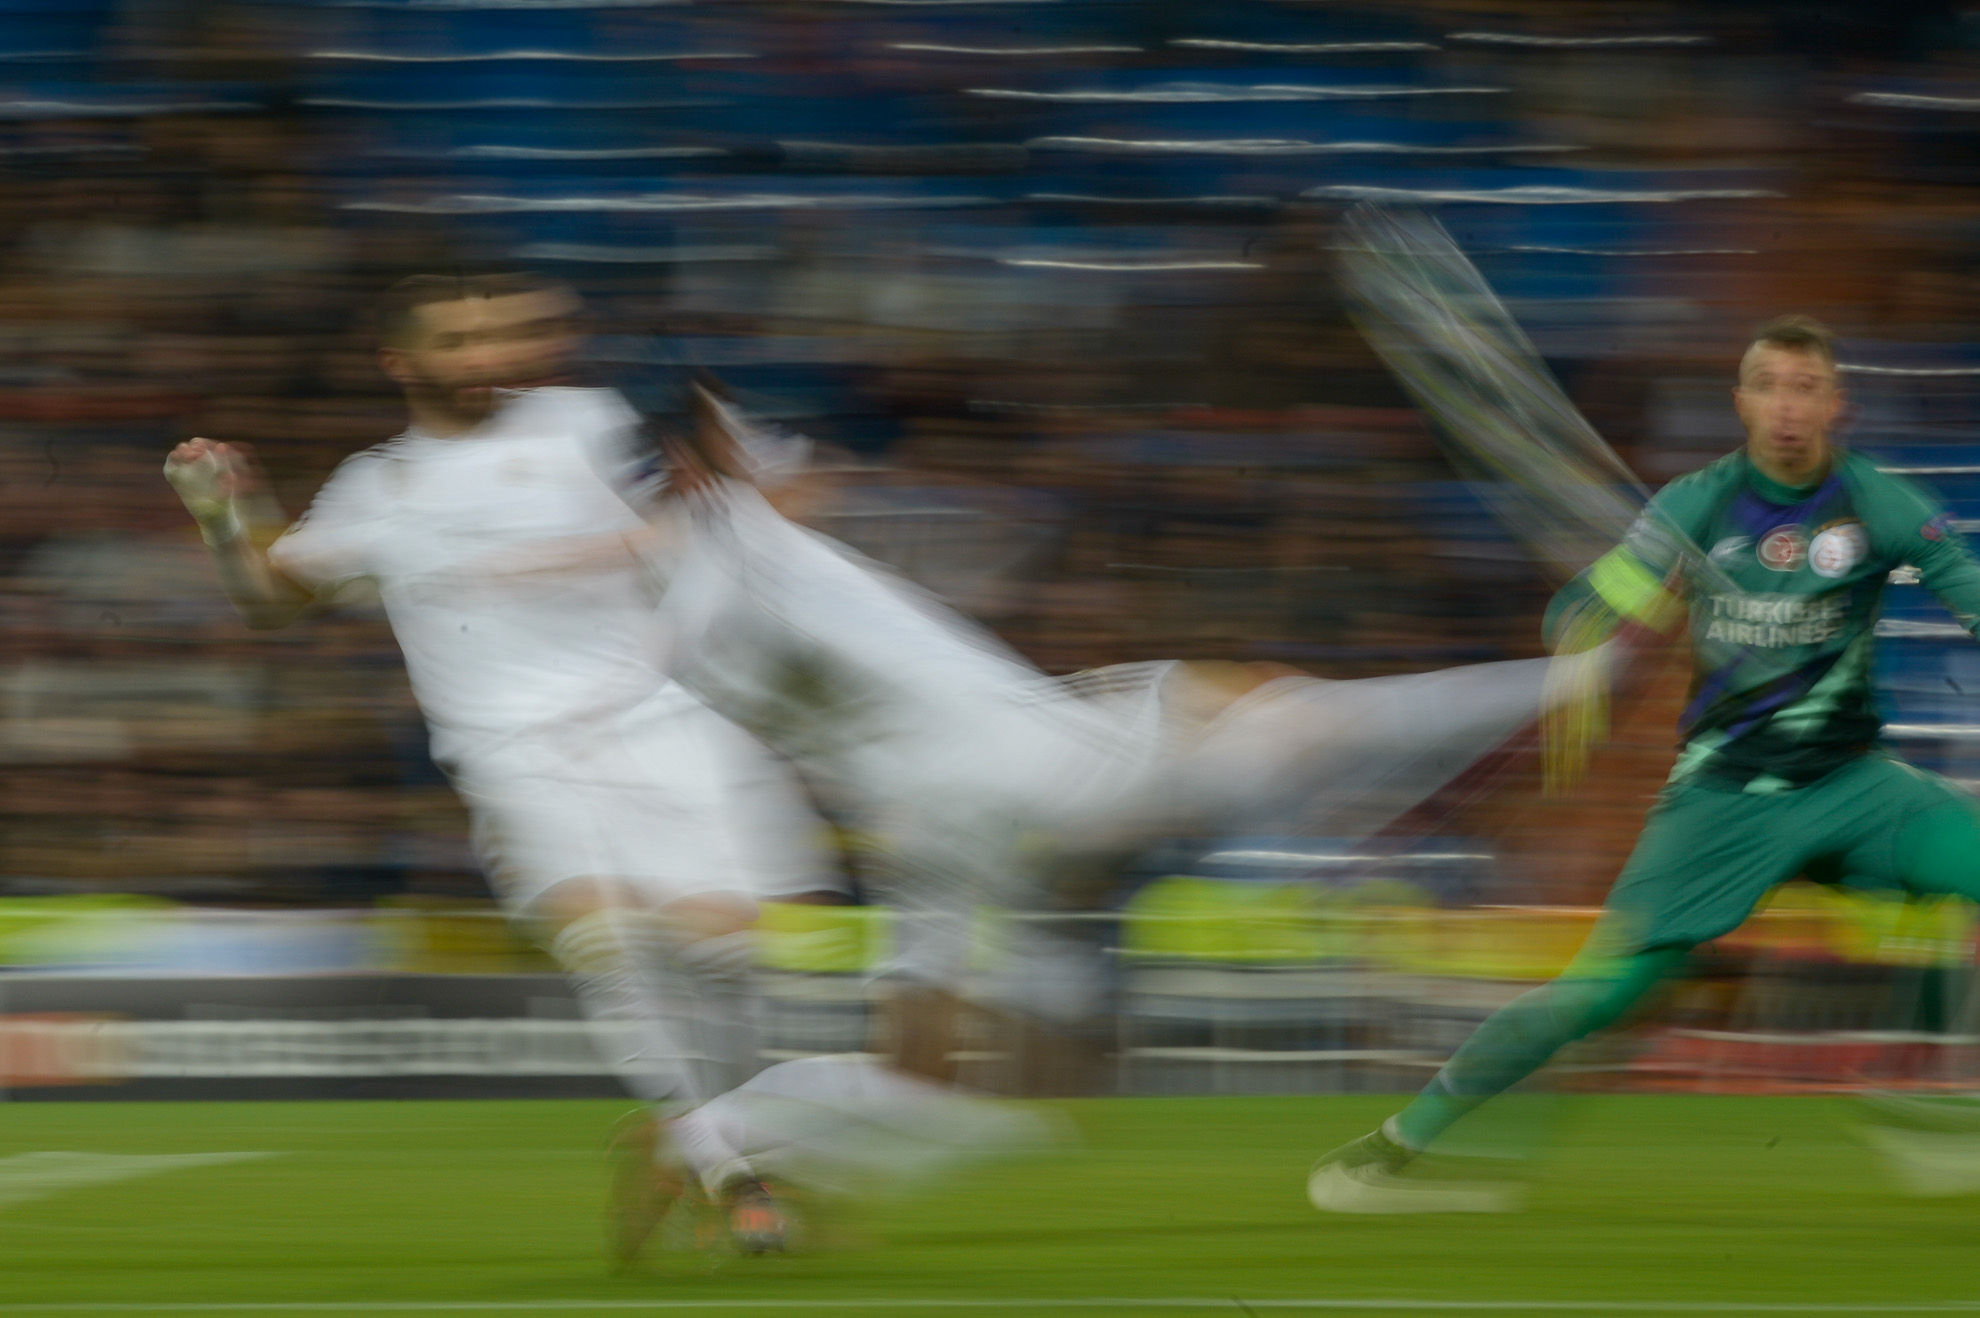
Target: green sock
1516,1040
1432,1112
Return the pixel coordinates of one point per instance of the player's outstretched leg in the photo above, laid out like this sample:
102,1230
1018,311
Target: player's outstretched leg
1349,757
853,1123
1366,1175
1929,1143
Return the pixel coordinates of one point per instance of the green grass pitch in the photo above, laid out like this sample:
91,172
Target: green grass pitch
1664,1204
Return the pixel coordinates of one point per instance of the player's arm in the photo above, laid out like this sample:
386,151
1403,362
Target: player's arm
1916,530
223,488
1623,603
1948,569
1630,589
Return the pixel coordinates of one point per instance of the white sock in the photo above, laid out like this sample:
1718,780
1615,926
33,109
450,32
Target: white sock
720,975
717,985
708,1141
618,988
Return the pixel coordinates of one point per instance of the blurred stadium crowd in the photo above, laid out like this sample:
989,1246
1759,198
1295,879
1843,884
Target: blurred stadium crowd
1051,278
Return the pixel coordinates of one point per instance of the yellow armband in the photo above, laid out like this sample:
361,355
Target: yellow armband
1632,590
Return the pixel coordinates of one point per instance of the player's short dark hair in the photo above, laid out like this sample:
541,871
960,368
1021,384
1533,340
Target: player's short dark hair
1797,334
395,317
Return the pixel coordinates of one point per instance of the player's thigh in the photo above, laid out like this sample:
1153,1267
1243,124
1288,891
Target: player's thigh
1939,851
1920,833
1703,862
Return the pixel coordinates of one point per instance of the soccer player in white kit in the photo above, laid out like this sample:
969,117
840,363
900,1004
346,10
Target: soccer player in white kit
974,764
616,815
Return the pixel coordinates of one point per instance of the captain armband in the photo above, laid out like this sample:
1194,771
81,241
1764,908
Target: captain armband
1632,590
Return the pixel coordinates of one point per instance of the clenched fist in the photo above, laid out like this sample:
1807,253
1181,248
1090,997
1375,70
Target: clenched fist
209,476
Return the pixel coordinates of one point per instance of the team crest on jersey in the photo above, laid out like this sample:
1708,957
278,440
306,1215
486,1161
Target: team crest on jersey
1836,549
1938,528
1784,548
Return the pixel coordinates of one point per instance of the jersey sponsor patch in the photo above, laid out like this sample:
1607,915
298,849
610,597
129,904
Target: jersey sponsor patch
1836,549
1769,621
1784,548
1938,528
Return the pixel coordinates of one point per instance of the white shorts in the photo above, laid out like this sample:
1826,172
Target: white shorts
670,797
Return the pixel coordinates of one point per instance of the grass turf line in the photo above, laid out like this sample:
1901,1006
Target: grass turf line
1686,1201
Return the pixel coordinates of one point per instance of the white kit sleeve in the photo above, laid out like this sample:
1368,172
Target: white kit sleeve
610,434
334,542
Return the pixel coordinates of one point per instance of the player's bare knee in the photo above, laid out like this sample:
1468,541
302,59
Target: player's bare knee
1204,688
707,915
711,935
573,899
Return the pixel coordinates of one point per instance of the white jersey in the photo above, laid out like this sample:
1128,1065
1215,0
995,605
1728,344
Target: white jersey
499,643
537,652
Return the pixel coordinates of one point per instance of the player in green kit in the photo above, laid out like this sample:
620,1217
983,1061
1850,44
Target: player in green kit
1780,773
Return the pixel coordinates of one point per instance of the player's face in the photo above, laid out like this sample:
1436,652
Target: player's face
463,351
1787,399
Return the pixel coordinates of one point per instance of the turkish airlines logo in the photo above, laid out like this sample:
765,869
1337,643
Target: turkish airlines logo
1784,548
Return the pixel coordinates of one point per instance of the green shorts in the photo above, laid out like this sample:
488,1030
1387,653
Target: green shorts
1709,851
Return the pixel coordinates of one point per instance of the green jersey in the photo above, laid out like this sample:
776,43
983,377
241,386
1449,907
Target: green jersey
1782,622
